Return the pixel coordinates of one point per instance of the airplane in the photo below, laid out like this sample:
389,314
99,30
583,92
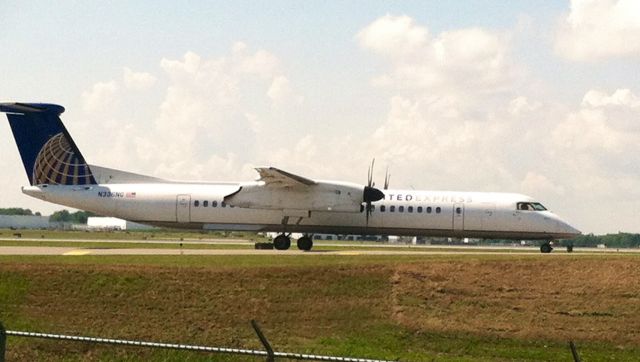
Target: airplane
278,201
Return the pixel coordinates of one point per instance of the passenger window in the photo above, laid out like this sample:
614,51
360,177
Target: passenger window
458,210
400,208
429,209
222,204
205,203
214,203
419,209
382,208
373,208
196,203
392,208
438,210
410,209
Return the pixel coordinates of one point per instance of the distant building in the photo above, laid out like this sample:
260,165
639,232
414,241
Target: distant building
349,237
25,222
112,223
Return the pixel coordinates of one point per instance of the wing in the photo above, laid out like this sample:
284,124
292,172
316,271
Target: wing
275,177
281,190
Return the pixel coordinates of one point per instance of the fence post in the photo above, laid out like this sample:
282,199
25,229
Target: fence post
3,342
574,352
270,355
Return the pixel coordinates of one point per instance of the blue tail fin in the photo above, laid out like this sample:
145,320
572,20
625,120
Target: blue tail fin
48,153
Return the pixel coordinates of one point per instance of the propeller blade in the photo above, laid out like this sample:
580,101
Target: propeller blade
387,177
368,212
370,193
370,174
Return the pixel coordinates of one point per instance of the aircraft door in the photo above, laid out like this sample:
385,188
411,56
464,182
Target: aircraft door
458,217
489,217
183,208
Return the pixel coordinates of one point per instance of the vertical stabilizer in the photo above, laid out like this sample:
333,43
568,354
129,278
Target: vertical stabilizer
48,152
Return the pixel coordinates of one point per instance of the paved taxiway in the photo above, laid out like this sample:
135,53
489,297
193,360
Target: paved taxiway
345,248
70,251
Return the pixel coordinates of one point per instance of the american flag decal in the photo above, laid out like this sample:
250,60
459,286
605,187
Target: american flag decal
131,195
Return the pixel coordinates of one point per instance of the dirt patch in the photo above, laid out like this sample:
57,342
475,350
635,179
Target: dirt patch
561,299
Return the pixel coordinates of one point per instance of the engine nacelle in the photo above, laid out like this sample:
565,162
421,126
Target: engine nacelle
322,196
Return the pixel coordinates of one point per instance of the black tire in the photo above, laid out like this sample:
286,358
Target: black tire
305,243
282,242
545,248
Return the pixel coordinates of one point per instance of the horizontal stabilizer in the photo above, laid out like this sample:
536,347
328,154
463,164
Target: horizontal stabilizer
31,108
105,175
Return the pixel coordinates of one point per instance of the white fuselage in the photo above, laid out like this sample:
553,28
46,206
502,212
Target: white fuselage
401,212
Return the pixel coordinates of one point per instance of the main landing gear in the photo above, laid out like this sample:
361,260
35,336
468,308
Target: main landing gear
305,243
283,242
546,247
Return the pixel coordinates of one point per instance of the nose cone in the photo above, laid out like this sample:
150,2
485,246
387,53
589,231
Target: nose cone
571,230
565,230
560,229
568,231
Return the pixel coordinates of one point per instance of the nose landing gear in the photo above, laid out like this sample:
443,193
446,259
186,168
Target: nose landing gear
546,247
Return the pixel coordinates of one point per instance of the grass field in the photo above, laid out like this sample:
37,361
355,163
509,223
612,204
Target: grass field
416,308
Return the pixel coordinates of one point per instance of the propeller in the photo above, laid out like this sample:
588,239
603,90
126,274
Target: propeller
370,193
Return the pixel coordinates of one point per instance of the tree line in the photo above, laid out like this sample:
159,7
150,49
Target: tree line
619,240
78,217
19,211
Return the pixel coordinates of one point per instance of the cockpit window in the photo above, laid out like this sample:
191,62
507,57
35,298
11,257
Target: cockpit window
538,206
530,206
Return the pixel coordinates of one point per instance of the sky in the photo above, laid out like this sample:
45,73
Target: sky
539,98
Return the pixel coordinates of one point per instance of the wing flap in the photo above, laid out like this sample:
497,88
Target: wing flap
275,177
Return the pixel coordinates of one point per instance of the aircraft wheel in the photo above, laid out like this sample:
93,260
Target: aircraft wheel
305,243
545,248
282,242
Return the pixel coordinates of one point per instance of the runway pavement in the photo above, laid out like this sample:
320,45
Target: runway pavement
71,251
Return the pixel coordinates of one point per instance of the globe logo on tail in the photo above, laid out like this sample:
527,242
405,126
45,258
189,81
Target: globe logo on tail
58,164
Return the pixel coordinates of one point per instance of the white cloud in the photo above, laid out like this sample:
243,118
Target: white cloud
604,125
600,29
390,35
596,150
473,59
521,105
261,63
138,80
537,184
281,92
621,97
205,126
102,95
